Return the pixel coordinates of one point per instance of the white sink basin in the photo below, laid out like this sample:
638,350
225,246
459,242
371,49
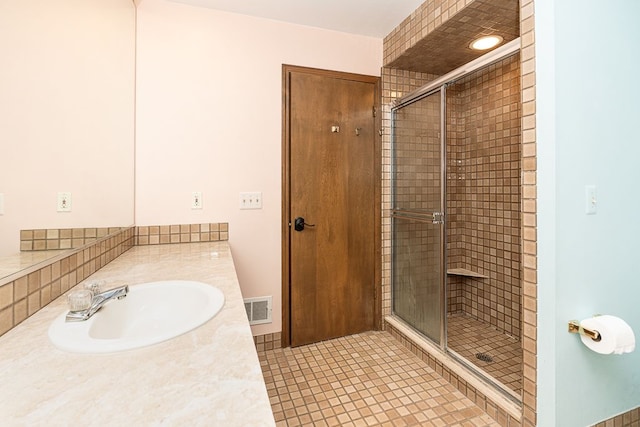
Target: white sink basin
150,313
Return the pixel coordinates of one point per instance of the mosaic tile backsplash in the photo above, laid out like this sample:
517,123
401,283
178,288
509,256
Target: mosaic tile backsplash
183,233
23,295
61,238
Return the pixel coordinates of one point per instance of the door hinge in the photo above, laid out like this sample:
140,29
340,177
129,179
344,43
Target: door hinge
374,111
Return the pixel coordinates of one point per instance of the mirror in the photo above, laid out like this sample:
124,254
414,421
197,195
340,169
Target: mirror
67,88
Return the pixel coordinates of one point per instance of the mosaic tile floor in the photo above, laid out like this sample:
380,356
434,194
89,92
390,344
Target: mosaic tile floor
367,379
467,337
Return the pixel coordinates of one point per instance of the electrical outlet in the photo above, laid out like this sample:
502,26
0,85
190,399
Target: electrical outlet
251,200
64,202
196,200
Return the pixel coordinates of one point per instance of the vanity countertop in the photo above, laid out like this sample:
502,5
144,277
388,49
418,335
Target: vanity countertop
208,377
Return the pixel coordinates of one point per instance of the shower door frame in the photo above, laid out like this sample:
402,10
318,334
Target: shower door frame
431,88
442,209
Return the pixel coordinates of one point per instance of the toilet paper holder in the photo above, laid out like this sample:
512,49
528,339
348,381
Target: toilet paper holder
575,328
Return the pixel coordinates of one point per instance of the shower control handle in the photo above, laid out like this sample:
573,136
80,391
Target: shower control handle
298,224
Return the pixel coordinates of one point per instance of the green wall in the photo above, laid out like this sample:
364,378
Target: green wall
588,118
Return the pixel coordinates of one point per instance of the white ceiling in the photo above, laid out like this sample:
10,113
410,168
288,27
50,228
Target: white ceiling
375,18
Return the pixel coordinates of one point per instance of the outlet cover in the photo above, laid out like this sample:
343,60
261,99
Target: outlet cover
196,200
64,201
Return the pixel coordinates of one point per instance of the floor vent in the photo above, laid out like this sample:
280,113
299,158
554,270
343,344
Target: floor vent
484,357
258,310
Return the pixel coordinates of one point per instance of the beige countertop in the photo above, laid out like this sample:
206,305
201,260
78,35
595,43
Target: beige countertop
208,377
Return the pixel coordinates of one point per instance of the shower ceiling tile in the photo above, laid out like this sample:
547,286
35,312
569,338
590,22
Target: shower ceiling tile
447,46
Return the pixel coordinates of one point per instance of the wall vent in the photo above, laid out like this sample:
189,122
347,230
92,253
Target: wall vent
258,310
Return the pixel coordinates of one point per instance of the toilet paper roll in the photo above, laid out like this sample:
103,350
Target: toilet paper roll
617,337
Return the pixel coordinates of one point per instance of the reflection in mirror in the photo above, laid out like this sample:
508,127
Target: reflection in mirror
10,264
66,119
38,246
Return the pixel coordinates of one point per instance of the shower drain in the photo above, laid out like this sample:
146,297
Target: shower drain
484,357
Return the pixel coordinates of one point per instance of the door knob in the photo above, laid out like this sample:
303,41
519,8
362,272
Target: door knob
298,224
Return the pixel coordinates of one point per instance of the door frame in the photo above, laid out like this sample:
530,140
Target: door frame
286,192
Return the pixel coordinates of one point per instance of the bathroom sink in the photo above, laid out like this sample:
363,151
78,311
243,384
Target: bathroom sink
150,313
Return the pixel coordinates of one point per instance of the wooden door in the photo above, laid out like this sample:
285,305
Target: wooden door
332,183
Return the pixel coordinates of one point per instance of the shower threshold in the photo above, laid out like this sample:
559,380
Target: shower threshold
456,365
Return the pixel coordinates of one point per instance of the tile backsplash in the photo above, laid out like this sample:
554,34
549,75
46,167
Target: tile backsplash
23,294
61,238
184,233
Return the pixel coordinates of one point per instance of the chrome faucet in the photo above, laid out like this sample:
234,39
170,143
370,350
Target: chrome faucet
97,302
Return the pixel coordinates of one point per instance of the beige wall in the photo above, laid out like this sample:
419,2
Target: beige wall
66,114
209,100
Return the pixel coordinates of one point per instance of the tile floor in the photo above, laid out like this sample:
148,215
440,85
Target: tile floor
367,379
467,336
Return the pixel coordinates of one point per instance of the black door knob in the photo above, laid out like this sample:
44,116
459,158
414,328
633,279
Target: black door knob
298,224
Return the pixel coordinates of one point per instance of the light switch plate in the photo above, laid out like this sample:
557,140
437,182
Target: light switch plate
251,200
591,200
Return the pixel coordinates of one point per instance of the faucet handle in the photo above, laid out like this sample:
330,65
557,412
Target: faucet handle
95,286
80,300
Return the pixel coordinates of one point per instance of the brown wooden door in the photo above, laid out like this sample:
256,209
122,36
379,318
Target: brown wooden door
332,185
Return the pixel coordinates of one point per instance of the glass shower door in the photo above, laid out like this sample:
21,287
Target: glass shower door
417,215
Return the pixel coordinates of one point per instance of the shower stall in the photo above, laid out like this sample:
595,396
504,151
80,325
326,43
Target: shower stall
455,218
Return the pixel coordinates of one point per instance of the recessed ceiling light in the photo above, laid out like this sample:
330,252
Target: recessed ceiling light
485,42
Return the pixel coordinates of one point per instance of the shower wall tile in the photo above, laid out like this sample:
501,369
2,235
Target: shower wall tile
628,419
395,85
418,157
529,234
447,46
483,178
483,192
426,18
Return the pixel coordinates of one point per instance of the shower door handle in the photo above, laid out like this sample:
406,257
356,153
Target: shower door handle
438,217
298,224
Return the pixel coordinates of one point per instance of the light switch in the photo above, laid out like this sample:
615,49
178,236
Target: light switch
591,200
251,200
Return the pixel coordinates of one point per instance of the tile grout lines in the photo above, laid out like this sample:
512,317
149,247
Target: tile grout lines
367,379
